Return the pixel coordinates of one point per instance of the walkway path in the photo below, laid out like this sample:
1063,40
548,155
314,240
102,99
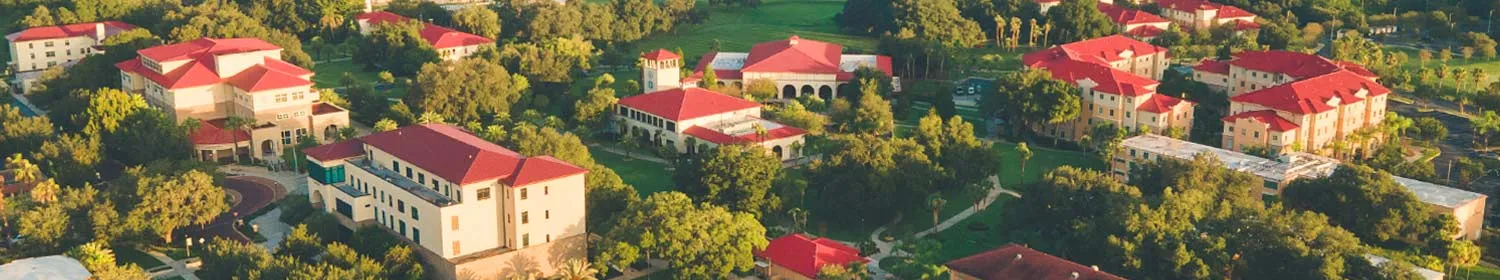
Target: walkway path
270,226
179,267
656,266
891,249
291,182
636,155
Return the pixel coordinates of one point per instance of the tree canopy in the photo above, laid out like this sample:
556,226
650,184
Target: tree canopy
464,90
738,177
397,47
699,241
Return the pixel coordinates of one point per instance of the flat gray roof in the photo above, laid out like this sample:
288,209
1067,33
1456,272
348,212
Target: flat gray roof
1293,164
1438,194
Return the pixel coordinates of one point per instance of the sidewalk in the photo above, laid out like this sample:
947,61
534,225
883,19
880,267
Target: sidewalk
295,183
272,228
890,249
179,267
636,155
656,266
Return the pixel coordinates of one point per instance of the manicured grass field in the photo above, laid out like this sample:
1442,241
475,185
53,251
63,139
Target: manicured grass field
738,28
647,177
1478,272
327,74
1491,66
132,256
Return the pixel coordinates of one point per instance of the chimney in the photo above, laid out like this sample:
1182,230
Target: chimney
1018,256
1095,267
99,32
1073,276
792,40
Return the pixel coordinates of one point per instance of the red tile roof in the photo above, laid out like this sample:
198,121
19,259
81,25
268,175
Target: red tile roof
1145,31
1125,16
720,138
337,150
1242,25
324,108
1014,261
72,30
212,132
1273,122
806,256
460,157
1098,50
258,78
686,103
1295,64
1108,80
794,55
439,37
1213,66
1312,95
205,47
1160,104
201,70
443,37
1224,11
660,54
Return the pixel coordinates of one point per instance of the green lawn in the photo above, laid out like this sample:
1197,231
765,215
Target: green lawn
738,28
327,74
132,256
1491,66
1478,272
647,177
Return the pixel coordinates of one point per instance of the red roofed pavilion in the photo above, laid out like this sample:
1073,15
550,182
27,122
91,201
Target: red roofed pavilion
1014,261
693,119
799,257
450,44
798,66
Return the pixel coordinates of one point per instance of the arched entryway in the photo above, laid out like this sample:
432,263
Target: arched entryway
825,92
331,132
317,199
721,83
807,90
788,92
267,147
777,150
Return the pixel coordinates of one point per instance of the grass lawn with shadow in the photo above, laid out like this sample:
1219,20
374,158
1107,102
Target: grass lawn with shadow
647,177
327,74
132,256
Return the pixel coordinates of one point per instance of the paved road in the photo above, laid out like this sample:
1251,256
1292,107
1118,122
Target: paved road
255,193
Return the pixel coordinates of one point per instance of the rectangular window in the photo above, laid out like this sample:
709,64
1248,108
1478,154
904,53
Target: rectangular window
416,235
523,194
549,238
47,44
484,193
546,190
400,206
421,178
546,214
51,54
395,165
403,228
454,222
408,172
280,97
525,217
414,215
286,137
455,247
525,240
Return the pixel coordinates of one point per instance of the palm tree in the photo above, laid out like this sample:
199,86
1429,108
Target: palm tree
1025,156
1015,32
760,132
799,219
936,202
1460,77
430,118
236,124
1031,33
999,31
1479,78
576,269
1046,30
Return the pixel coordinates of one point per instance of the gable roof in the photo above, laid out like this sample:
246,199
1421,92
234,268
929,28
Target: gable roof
212,132
1213,66
201,71
1224,11
794,55
1125,16
1098,50
462,158
806,256
686,103
1108,79
660,54
1242,25
439,37
71,30
721,138
1295,64
1144,31
1160,103
336,150
1313,95
1273,122
1013,261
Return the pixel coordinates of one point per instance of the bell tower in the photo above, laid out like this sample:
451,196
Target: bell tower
660,70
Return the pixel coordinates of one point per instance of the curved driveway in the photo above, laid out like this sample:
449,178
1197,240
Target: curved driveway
255,193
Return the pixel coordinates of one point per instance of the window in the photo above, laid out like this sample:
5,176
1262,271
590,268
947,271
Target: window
280,97
400,206
454,222
414,215
525,240
47,44
455,247
408,172
403,228
546,214
416,235
546,190
523,194
395,165
484,193
549,238
525,217
421,178
51,54
286,137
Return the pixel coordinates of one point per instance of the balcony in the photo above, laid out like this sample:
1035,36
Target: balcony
419,190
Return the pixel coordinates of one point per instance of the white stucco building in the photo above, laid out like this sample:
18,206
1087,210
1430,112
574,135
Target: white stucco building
694,119
1116,80
36,49
798,67
210,80
473,209
450,44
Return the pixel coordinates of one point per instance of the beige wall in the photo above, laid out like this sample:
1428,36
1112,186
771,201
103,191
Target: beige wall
1219,81
541,259
954,275
36,55
1245,132
1470,218
459,52
661,75
778,272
